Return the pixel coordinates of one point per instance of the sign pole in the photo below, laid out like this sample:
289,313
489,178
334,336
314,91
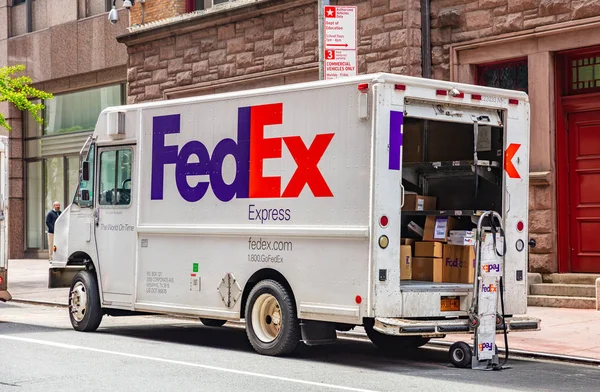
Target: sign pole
320,5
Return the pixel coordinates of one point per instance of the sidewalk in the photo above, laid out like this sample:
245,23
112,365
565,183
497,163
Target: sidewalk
571,332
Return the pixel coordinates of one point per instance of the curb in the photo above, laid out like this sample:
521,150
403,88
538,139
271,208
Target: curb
434,344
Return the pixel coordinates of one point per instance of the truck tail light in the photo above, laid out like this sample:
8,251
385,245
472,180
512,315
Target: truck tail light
441,92
383,221
476,97
513,101
383,242
363,87
399,87
520,226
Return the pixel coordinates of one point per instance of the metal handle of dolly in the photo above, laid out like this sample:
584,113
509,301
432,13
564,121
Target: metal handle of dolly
477,277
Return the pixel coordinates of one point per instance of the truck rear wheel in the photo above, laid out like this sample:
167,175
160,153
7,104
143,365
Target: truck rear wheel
212,322
85,311
271,322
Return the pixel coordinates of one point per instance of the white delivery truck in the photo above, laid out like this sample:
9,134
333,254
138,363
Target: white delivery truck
282,206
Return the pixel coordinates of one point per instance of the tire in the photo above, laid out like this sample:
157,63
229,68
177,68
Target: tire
460,354
85,311
393,344
212,322
272,326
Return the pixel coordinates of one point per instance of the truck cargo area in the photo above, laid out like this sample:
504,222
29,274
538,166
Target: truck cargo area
458,166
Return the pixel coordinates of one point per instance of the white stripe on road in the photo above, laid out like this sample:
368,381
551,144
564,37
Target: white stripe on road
197,365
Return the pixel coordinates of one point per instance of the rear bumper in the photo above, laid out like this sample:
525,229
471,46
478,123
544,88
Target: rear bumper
5,296
440,328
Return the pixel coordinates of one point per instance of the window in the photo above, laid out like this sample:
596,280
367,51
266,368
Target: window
88,185
115,177
78,111
585,74
17,2
511,75
195,5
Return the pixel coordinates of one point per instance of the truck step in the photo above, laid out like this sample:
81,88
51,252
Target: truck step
553,301
570,278
564,290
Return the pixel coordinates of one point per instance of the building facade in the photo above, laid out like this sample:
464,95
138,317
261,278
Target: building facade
69,49
178,48
547,48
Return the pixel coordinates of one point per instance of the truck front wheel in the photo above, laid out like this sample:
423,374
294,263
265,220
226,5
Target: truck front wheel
271,322
85,311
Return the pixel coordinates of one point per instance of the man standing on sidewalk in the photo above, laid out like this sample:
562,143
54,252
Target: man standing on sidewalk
52,216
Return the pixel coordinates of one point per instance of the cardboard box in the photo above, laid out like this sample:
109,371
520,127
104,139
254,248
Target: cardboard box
454,262
405,262
437,228
429,249
413,202
462,237
410,242
427,269
467,271
418,230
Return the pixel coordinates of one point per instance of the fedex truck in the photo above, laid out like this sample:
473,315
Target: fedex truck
283,207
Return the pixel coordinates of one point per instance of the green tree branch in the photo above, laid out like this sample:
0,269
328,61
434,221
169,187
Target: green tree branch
18,91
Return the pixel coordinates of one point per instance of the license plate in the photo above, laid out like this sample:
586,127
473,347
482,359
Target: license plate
449,304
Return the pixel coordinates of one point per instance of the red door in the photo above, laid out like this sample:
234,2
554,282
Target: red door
584,189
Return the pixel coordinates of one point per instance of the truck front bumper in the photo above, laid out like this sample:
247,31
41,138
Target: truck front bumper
440,328
5,296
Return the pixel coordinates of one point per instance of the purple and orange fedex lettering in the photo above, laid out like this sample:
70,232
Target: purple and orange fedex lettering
491,268
249,151
490,288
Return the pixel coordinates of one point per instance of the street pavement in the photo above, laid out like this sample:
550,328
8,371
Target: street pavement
572,332
41,352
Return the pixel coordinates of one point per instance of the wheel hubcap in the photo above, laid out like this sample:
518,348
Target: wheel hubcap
78,302
458,355
266,318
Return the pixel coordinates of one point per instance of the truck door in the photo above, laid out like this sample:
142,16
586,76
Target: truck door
115,223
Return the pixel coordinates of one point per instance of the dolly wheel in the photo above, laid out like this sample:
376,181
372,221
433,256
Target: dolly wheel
460,354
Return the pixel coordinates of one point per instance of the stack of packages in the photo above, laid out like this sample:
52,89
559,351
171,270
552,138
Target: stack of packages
443,254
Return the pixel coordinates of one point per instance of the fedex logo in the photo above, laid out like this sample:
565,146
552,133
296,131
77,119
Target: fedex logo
490,288
491,268
454,263
486,346
249,151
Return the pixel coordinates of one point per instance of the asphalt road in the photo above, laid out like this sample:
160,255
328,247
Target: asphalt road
41,352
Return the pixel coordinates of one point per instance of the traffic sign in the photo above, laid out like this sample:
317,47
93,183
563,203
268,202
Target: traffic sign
340,27
339,63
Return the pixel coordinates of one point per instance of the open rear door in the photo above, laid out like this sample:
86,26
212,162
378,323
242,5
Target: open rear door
4,294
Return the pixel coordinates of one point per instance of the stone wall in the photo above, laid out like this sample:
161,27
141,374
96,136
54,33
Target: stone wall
272,37
454,21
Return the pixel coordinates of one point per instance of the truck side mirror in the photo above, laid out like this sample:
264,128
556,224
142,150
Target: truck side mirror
85,171
85,195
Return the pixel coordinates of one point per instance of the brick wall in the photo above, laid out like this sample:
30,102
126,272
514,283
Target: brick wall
156,10
277,37
453,21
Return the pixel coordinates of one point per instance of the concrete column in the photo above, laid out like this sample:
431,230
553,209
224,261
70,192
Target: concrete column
16,201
